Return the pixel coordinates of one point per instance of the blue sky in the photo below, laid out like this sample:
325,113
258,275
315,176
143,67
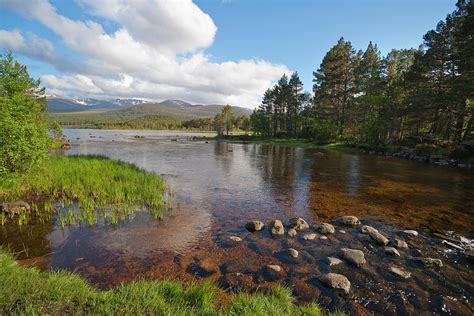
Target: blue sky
209,51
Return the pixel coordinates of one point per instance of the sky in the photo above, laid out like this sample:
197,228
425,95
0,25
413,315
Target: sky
201,51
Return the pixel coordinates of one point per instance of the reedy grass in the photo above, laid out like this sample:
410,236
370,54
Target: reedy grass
29,291
75,187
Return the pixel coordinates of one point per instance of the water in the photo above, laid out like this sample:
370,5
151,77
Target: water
220,186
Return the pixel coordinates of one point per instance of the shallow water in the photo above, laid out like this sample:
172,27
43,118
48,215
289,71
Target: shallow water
220,186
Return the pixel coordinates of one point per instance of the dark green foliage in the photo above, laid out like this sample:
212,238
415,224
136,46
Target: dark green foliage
24,138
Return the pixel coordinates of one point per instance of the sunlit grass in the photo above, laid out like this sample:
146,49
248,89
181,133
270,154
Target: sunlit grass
86,189
29,291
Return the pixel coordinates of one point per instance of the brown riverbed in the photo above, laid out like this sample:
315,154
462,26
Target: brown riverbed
220,186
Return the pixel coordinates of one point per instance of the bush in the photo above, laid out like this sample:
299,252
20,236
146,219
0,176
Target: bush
425,149
24,138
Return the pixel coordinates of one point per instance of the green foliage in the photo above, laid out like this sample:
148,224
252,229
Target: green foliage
24,138
83,185
29,291
425,149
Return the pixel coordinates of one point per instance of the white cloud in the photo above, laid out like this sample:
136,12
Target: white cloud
143,56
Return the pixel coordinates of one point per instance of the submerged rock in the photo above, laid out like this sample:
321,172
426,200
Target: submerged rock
254,226
333,261
399,244
207,267
392,251
293,252
311,236
411,233
292,232
298,224
354,256
349,220
326,228
400,272
430,262
277,228
336,281
273,272
235,238
323,237
366,229
14,207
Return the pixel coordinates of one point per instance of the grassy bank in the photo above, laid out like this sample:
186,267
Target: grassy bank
75,187
29,291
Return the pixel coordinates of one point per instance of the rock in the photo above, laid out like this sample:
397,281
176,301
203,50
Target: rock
254,226
293,252
349,220
310,236
366,229
292,232
273,272
324,237
242,265
354,256
235,238
392,251
326,228
277,228
342,231
430,262
400,272
378,237
399,244
207,267
336,281
298,224
14,207
411,233
333,261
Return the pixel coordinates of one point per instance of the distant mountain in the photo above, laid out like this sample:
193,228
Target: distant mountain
176,104
60,104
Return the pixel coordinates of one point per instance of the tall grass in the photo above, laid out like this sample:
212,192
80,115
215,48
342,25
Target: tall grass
86,189
29,291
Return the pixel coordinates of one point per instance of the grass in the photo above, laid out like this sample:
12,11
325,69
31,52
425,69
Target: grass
74,188
30,291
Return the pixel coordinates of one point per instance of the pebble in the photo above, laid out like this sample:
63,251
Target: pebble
235,238
298,224
293,252
310,236
292,232
400,244
431,262
326,228
254,226
349,220
378,237
400,272
353,256
412,233
342,231
274,267
333,261
277,228
392,251
324,237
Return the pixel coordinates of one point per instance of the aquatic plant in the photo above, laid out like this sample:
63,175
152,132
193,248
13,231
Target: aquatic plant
86,189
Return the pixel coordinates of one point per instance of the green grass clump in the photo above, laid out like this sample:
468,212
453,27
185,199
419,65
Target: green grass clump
75,187
29,291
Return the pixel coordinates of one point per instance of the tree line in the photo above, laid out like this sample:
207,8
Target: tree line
407,96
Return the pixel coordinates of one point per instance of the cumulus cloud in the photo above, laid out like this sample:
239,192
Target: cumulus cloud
156,52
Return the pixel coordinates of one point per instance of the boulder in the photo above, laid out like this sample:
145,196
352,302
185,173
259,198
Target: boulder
392,251
399,244
311,236
378,237
14,207
336,281
277,228
326,228
366,229
354,256
400,272
333,261
349,220
292,232
298,224
254,226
